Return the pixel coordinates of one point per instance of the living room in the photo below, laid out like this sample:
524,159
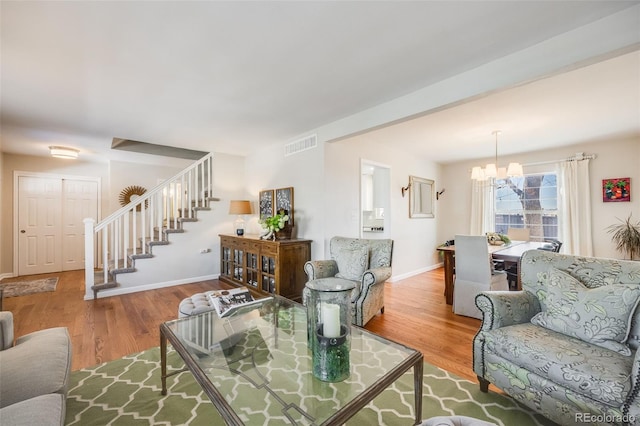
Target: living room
327,178
335,163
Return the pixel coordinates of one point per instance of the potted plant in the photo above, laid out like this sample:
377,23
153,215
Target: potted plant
497,239
626,236
274,224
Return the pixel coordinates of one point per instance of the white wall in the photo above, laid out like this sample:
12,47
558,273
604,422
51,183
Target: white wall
326,183
616,158
229,181
414,239
327,193
124,174
229,184
304,171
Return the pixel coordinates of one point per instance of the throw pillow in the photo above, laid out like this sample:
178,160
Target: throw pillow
352,262
601,315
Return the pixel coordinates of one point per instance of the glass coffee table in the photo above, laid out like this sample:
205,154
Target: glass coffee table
255,366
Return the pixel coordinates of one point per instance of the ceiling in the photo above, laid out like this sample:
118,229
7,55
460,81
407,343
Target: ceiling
234,76
590,104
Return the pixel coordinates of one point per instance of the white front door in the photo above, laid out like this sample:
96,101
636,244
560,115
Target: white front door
50,216
39,219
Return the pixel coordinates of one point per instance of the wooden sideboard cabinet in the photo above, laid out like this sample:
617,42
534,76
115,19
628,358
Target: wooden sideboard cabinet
265,266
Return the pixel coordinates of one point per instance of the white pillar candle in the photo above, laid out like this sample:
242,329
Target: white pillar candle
331,319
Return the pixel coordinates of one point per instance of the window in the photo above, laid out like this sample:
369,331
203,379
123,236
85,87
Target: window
529,202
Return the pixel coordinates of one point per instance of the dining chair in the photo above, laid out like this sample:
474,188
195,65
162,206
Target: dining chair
519,234
515,234
552,245
474,273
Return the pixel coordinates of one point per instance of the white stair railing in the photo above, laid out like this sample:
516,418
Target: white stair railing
133,229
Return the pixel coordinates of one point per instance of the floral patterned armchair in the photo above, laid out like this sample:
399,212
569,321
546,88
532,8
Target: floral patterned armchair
566,345
365,262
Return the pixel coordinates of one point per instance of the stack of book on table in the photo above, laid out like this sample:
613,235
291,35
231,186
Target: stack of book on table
229,301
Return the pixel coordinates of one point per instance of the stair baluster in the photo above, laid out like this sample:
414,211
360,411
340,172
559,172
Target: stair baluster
131,232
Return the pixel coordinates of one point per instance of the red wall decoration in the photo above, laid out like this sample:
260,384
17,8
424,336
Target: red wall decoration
618,189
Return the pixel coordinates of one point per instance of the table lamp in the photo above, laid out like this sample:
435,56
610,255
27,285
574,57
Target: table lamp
239,207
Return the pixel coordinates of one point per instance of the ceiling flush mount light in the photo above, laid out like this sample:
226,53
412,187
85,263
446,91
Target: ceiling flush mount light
63,152
492,171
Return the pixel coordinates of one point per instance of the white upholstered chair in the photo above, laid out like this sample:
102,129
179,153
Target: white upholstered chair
519,234
474,273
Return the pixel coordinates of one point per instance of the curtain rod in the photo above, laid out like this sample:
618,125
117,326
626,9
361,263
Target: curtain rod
578,157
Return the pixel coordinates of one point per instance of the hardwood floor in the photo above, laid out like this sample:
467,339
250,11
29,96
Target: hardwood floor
415,315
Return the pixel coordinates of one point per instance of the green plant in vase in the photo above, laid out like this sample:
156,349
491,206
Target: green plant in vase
497,239
273,224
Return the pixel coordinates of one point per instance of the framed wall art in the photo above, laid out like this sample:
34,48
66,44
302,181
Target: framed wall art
284,201
266,203
616,190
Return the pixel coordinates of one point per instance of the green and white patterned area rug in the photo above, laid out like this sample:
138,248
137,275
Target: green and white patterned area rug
127,392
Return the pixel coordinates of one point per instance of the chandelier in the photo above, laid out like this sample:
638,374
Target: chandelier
493,171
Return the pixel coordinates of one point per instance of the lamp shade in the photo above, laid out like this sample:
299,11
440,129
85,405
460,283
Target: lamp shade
491,171
63,152
515,169
240,207
477,173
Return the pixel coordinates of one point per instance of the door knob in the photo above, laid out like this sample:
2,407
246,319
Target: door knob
22,231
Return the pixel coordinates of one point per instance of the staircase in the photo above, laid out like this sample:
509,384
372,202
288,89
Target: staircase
113,245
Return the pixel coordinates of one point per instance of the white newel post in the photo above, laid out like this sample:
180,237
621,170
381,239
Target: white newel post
89,257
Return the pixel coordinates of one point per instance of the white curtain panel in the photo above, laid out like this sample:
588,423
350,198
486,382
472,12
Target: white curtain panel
483,217
575,208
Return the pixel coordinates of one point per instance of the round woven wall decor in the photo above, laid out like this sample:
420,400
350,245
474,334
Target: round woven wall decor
130,193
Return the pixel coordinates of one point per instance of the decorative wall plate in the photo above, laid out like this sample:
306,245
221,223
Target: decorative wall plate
130,193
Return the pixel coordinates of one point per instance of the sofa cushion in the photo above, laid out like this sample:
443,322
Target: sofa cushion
41,410
588,370
6,330
600,315
38,364
352,262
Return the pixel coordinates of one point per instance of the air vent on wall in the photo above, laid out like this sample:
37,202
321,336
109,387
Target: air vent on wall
304,144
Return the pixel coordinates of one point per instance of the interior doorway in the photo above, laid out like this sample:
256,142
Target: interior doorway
49,211
375,200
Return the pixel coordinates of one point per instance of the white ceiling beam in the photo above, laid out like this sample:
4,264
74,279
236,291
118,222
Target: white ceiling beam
606,38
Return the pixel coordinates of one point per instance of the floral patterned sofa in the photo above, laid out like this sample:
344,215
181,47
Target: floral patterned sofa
566,345
365,262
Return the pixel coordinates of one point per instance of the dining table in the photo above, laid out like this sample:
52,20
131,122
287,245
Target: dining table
509,253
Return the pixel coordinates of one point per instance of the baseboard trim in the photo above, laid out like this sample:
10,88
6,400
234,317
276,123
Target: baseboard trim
135,289
400,277
7,275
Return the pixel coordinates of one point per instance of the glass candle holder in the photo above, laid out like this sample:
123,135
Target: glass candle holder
329,327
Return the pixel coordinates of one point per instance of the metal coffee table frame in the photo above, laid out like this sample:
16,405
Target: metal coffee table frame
209,319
